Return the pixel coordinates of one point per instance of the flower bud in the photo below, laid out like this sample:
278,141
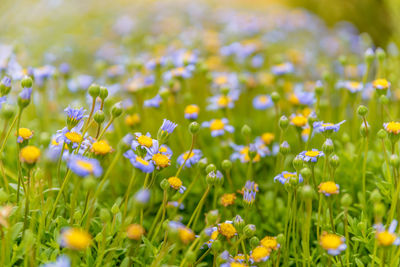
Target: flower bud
202,163
238,223
26,82
280,239
363,130
210,168
343,60
105,215
327,147
246,130
212,217
194,127
283,123
216,246
307,192
375,196
226,164
298,163
164,184
319,88
380,54
306,173
94,90
254,242
89,183
394,161
284,148
115,208
8,111
5,86
334,161
383,99
99,117
103,93
369,56
346,200
249,230
362,110
164,93
116,110
275,97
381,134
379,209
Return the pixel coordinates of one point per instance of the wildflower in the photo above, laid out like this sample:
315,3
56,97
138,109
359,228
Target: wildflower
227,229
228,199
212,232
311,155
387,237
154,102
132,120
250,186
83,166
351,86
243,154
259,254
249,196
5,212
176,184
191,112
267,138
29,154
75,238
282,69
381,84
305,133
135,231
26,94
186,235
218,127
285,177
392,127
142,196
223,101
191,159
270,242
24,134
328,188
161,160
138,162
320,126
301,98
72,137
62,261
144,141
101,147
332,243
74,116
298,120
168,126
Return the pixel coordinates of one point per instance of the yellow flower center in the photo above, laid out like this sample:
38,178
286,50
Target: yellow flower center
216,125
328,187
393,127
192,109
267,138
163,149
214,235
132,120
245,152
223,101
220,80
77,239
145,140
186,235
312,153
101,147
85,165
294,99
160,160
25,133
327,124
227,230
299,121
330,241
354,84
263,99
260,253
30,154
380,83
186,155
305,131
269,242
74,137
175,182
142,161
237,264
288,175
135,231
385,238
228,199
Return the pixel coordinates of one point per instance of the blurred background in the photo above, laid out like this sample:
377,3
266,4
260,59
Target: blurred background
46,26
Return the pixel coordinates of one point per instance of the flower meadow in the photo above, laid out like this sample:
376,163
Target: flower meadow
202,136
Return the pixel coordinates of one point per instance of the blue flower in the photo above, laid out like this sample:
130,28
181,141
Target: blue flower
62,261
222,101
320,126
142,196
74,116
218,126
138,162
285,177
6,81
281,69
351,86
168,126
191,158
154,102
311,155
26,94
262,102
83,166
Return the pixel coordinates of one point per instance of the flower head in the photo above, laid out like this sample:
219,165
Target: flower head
191,158
168,126
74,116
270,242
191,112
381,84
392,127
138,162
282,69
218,127
29,154
332,243
101,147
135,231
75,238
387,237
62,261
328,188
228,199
176,184
24,134
83,166
227,229
311,155
259,254
298,120
285,177
262,102
26,94
320,126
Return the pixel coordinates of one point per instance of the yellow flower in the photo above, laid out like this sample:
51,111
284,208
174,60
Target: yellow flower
299,120
223,101
161,160
330,241
192,109
77,239
385,238
312,153
29,154
101,147
135,231
24,134
227,230
228,199
270,242
175,182
74,137
267,138
328,188
132,120
392,127
381,84
260,254
145,141
216,125
245,152
186,235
